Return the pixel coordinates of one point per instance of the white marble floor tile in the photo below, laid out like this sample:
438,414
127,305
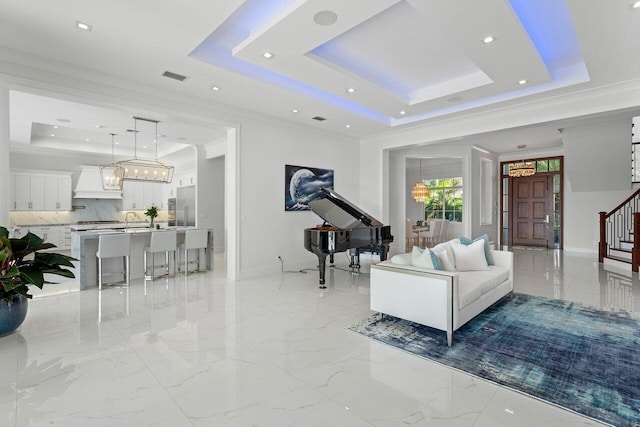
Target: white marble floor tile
204,351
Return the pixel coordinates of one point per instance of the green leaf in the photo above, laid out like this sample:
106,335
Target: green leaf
59,271
33,276
50,258
4,232
12,272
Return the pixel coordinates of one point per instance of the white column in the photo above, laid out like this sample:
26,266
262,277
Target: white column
4,153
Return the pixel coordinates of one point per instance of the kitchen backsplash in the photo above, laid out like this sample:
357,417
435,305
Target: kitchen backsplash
94,210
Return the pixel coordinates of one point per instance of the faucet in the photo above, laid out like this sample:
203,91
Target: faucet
126,217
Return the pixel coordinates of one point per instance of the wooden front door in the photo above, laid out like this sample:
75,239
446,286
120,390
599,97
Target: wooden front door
532,212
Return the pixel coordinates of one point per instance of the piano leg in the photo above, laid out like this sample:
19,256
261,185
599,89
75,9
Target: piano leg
384,250
331,259
355,260
322,263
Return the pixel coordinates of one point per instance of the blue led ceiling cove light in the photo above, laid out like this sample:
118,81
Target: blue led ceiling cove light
547,22
217,50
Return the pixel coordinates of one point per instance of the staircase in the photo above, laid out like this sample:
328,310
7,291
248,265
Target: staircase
619,245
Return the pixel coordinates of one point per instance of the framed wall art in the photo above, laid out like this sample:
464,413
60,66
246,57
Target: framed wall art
302,185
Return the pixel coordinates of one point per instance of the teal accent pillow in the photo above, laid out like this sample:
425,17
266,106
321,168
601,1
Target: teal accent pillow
487,252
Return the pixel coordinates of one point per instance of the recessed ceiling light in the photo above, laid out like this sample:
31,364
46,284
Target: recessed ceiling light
63,120
144,146
100,126
402,113
636,5
351,90
294,111
55,127
53,134
216,88
522,82
83,26
87,139
117,143
488,39
347,126
268,55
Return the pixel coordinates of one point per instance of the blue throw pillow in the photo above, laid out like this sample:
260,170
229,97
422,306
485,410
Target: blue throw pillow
487,251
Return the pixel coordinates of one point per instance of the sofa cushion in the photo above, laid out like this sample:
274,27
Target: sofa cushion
473,284
401,259
469,257
425,258
487,249
444,252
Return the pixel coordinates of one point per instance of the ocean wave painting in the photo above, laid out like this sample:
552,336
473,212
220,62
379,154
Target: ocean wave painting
302,185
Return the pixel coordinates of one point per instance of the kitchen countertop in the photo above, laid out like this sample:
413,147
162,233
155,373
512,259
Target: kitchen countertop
84,245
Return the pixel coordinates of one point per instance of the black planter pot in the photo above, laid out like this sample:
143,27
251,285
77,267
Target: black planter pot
12,314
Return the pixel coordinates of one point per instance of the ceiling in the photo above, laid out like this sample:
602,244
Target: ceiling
407,62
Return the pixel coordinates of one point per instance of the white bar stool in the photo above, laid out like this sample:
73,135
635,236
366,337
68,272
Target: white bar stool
161,241
193,239
114,246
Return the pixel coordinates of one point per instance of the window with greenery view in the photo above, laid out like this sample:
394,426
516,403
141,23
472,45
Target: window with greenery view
445,199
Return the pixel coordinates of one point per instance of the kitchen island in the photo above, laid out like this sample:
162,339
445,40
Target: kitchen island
84,245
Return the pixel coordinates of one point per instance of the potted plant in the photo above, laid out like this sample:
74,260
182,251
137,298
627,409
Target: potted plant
22,265
152,212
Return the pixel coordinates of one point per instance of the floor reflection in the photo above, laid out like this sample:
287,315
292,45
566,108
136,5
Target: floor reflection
576,277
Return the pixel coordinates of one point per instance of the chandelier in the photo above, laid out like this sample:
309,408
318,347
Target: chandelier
150,170
111,174
522,168
420,191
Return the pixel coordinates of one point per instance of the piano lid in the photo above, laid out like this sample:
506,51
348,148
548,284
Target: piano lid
339,212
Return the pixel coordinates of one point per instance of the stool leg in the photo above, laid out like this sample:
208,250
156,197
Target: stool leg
100,274
128,267
145,264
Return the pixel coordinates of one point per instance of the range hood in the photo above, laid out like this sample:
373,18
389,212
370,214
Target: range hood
89,185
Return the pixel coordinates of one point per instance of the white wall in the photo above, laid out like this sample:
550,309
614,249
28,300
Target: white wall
597,178
211,197
484,196
266,230
581,219
598,156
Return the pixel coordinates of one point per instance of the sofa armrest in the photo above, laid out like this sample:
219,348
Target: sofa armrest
388,265
504,259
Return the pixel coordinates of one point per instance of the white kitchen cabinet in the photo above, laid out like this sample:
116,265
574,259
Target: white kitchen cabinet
50,234
140,195
65,237
29,193
152,195
132,195
34,191
57,193
187,179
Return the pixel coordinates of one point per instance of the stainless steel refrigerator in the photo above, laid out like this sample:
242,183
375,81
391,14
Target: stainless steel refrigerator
186,206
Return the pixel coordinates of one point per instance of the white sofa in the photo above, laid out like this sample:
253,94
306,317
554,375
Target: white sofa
443,300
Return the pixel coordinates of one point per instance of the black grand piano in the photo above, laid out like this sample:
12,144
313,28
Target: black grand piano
345,227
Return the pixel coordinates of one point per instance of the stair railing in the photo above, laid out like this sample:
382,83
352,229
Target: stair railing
618,226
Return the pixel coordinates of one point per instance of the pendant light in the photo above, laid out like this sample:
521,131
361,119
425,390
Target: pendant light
420,191
522,168
111,174
148,170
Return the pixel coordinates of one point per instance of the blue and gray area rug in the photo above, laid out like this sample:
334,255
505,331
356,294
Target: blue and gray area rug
579,358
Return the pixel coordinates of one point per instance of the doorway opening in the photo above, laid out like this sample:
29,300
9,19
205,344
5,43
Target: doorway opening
531,206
